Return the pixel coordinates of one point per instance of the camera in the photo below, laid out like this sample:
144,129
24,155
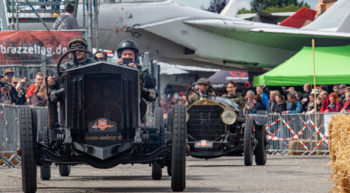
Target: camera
127,61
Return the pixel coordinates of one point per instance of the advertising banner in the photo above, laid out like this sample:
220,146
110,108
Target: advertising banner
31,47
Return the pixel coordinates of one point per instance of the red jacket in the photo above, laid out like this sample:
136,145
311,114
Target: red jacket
335,107
30,90
346,106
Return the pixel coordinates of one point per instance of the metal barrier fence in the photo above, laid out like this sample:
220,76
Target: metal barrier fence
298,133
9,132
290,133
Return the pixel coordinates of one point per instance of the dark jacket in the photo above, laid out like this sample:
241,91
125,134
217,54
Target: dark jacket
280,107
257,107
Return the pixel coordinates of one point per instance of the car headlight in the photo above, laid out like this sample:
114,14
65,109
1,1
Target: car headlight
228,117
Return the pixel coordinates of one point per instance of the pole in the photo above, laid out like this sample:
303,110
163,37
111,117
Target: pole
96,12
90,24
315,105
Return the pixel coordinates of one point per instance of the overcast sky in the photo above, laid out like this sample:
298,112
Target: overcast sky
241,3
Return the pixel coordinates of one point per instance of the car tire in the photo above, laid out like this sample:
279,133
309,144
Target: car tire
248,142
168,169
45,172
156,171
27,124
169,119
64,170
158,118
260,149
178,148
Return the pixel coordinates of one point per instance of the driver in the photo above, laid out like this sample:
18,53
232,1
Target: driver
203,92
82,57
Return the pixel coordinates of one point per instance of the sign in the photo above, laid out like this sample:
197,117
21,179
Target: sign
31,47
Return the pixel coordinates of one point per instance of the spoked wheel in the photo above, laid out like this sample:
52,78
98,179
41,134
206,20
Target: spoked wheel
156,171
260,149
248,142
45,172
64,170
28,152
178,149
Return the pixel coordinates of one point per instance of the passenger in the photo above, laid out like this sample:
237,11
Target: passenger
100,56
38,81
39,98
257,105
293,105
231,94
203,86
128,54
66,20
334,104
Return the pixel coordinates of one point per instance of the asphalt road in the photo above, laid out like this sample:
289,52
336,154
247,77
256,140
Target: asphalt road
226,174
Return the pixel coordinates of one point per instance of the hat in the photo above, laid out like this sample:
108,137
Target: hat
7,71
80,40
317,91
6,85
203,81
342,86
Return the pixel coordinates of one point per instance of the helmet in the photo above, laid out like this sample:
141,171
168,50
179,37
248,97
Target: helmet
203,81
78,40
130,45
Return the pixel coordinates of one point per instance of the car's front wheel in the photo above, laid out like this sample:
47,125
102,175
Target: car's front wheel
248,142
178,148
260,149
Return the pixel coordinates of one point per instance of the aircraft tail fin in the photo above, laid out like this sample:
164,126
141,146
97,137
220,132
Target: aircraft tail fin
299,18
230,9
335,19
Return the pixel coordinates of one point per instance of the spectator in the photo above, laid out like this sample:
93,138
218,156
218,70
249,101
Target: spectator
280,104
311,105
39,80
8,75
5,93
256,105
346,107
284,91
305,96
13,91
323,87
21,92
100,56
39,98
264,97
272,102
334,104
249,97
342,92
336,89
66,20
293,105
324,99
291,89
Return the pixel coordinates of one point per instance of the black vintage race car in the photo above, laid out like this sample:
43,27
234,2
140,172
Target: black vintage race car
217,127
98,123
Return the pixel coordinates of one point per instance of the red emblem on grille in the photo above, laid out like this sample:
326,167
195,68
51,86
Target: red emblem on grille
102,125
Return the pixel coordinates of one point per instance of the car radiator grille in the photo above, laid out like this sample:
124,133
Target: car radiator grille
205,123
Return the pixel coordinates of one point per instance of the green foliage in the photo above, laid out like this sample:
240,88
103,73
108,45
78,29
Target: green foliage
264,5
217,5
243,10
288,8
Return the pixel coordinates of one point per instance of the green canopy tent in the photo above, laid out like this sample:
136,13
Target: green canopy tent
332,67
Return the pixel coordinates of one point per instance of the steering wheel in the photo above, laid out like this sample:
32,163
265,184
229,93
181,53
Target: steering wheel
192,88
75,60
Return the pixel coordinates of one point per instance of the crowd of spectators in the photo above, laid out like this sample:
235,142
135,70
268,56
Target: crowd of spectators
287,100
19,91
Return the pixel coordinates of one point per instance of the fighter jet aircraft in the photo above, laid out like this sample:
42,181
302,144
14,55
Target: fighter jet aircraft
175,33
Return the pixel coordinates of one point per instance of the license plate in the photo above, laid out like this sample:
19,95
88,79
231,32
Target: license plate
203,144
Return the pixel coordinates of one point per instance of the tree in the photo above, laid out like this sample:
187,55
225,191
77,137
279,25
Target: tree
217,6
259,5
